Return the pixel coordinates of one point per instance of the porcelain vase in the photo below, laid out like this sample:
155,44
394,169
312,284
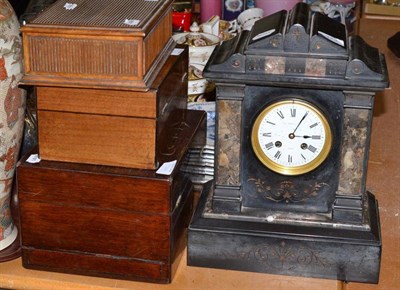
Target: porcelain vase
12,111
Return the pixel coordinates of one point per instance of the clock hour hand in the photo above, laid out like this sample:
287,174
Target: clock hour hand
308,137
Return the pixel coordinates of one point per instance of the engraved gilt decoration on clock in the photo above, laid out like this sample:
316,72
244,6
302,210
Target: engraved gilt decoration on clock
286,191
281,255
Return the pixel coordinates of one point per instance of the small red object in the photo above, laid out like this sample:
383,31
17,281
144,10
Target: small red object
181,21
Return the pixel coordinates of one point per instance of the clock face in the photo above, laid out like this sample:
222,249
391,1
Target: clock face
291,137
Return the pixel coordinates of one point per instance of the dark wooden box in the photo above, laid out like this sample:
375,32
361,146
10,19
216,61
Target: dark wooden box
117,44
109,221
110,127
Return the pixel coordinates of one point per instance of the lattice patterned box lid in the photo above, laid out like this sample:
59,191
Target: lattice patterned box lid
96,43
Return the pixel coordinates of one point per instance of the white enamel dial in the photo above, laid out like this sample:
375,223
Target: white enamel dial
291,137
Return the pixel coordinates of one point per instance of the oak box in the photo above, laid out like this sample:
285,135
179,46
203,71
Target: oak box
110,127
118,44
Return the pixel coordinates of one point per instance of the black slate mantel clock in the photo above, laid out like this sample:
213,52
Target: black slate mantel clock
295,101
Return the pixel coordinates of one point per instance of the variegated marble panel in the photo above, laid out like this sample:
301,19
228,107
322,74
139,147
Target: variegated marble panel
353,155
228,154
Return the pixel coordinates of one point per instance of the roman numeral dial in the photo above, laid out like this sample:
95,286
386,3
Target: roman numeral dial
291,137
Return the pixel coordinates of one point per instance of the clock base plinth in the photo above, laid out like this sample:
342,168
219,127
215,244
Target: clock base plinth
218,241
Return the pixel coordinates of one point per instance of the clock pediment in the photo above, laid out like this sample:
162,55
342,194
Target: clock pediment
299,44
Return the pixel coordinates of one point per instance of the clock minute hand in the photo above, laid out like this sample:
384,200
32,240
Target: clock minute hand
302,119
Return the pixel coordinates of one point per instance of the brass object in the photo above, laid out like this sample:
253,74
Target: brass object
285,165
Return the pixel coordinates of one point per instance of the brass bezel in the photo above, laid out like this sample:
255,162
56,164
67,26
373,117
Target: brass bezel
295,170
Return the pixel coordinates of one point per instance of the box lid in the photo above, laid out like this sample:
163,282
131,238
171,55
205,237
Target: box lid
131,15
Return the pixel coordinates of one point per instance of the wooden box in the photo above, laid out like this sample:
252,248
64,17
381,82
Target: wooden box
110,127
108,221
99,44
375,9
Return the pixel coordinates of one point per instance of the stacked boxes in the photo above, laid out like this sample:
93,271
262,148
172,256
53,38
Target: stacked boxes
111,105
